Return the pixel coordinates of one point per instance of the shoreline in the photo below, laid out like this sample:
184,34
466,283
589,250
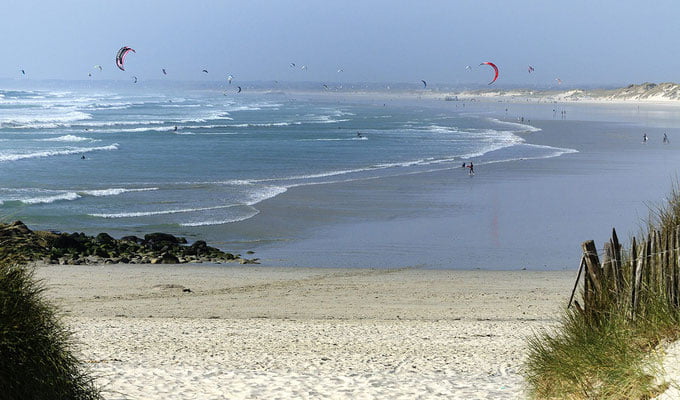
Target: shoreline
461,223
264,332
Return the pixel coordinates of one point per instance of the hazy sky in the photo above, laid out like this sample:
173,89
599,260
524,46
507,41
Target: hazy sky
581,42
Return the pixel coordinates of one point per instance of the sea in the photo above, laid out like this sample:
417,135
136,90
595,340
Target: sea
134,160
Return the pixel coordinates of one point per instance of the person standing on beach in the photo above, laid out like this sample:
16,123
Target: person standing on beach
472,168
644,138
665,138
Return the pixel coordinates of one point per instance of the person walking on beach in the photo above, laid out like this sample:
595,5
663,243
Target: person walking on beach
665,138
644,138
472,168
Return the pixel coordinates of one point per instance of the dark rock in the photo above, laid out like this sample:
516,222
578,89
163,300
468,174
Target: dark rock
199,244
22,245
15,228
160,237
104,238
101,252
187,290
131,239
66,241
168,258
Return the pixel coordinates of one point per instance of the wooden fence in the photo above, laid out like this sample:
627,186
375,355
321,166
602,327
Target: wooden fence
649,270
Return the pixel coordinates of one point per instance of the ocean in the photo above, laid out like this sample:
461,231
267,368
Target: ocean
135,161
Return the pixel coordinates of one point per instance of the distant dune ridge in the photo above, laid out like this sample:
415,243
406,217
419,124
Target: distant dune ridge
667,91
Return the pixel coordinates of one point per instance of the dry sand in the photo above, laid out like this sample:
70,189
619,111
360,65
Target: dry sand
267,333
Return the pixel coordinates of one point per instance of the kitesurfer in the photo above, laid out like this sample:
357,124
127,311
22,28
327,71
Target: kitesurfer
120,57
175,130
495,69
359,134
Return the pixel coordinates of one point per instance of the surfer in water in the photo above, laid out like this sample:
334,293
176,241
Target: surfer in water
175,130
359,134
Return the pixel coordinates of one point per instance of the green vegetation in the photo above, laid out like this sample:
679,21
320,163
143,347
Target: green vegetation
604,349
35,360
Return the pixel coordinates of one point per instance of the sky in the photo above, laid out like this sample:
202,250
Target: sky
580,42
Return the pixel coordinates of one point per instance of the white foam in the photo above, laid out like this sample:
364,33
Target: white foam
222,221
180,105
114,191
65,138
335,139
135,130
50,153
51,199
42,121
264,125
522,127
265,193
122,123
158,212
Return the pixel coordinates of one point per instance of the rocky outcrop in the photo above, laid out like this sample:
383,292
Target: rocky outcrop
19,244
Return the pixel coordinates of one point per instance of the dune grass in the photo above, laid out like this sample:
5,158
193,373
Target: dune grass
610,360
35,360
610,354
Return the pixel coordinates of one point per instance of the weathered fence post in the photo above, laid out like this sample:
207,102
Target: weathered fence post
617,263
578,278
593,275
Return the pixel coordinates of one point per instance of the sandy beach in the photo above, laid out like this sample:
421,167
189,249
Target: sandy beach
265,333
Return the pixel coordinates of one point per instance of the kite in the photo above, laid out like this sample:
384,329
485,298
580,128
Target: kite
424,83
120,57
164,73
239,89
204,70
304,68
495,68
468,68
135,78
99,67
531,69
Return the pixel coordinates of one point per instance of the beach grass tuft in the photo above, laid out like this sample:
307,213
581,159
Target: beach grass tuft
611,352
35,357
